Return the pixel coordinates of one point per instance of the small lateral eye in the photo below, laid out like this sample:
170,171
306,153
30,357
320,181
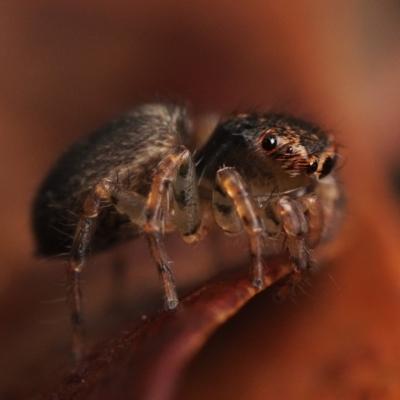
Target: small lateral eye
329,163
269,143
312,167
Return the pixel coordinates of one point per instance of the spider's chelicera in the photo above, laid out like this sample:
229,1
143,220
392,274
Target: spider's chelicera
268,175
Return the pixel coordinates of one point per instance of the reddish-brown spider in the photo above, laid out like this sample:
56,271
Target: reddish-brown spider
266,174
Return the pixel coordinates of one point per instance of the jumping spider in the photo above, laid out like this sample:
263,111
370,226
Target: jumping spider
266,174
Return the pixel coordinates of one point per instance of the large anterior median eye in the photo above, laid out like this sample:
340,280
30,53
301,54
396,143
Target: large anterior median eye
329,163
269,143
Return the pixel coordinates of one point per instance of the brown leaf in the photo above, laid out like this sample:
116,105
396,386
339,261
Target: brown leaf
146,361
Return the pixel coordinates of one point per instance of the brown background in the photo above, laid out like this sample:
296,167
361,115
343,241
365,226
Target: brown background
67,66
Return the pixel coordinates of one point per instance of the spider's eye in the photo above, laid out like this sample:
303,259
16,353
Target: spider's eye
312,167
329,163
269,143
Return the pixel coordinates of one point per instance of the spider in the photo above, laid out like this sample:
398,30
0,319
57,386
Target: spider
269,175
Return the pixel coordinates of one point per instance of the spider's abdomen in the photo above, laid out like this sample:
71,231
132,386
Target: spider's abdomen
127,150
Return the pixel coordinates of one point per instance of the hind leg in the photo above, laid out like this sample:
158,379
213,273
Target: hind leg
125,202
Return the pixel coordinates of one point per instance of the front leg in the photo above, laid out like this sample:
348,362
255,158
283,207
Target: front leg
296,230
295,226
243,214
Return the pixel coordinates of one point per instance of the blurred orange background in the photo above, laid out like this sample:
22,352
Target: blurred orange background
66,67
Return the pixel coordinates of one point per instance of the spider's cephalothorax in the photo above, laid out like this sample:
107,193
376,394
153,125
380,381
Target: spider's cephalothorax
267,175
300,147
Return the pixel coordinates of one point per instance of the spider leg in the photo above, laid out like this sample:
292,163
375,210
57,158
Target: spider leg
123,200
186,202
175,176
296,228
232,188
314,212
